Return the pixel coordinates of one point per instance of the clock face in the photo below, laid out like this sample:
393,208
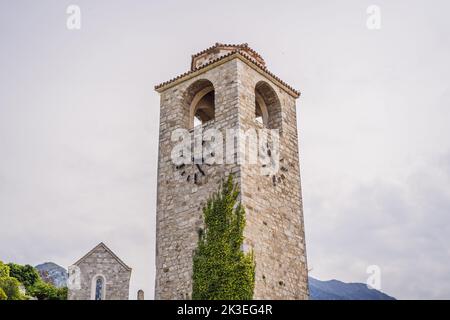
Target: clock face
193,172
275,171
279,177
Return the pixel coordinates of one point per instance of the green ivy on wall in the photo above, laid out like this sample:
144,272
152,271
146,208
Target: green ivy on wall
221,270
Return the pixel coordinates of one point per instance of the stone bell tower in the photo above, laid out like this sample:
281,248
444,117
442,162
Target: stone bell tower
229,87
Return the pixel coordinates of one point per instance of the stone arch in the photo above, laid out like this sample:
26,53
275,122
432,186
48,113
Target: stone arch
94,287
199,99
261,113
267,106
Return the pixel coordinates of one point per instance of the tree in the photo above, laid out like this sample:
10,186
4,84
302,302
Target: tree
10,286
46,291
3,295
4,270
27,275
13,275
221,270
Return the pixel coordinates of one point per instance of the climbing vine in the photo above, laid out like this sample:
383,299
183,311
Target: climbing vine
221,270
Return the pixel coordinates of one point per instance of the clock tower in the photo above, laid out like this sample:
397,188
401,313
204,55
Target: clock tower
229,90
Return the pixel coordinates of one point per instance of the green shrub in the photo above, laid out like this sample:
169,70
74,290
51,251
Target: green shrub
10,286
4,270
46,291
221,271
3,295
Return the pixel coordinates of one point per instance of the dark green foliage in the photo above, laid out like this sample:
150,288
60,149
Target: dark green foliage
221,271
27,275
46,291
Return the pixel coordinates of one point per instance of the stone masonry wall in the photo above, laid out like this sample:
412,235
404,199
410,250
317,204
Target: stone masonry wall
179,201
273,203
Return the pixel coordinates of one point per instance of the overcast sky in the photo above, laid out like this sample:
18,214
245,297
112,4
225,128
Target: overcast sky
79,128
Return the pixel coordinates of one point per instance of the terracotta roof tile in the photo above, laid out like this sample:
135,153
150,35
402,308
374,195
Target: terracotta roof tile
237,51
242,45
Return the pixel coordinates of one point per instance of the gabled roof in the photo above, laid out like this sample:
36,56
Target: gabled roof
238,53
102,245
242,46
217,45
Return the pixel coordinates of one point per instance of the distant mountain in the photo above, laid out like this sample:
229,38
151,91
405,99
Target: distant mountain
52,273
337,290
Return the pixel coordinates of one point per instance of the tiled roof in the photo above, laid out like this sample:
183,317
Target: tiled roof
237,52
217,45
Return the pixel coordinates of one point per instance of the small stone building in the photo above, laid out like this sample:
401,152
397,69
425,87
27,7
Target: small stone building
99,275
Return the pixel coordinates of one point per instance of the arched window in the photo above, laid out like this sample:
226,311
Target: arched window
200,99
261,114
267,106
99,289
